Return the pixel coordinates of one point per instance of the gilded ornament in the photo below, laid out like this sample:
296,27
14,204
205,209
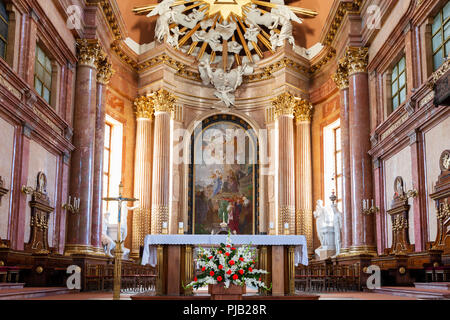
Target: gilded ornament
284,104
341,75
303,110
163,101
357,59
104,71
144,107
88,52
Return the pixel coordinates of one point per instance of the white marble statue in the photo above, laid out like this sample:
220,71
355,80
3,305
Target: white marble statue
320,215
224,82
124,229
107,242
337,224
173,39
226,29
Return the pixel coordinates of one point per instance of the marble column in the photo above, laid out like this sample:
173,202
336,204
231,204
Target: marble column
104,75
82,162
341,80
363,235
303,172
164,103
142,172
284,105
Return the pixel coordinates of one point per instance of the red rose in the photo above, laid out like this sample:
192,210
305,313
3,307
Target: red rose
203,269
232,262
229,272
210,258
241,272
250,269
233,248
195,279
220,267
259,278
219,278
211,273
228,246
235,277
241,259
227,254
220,252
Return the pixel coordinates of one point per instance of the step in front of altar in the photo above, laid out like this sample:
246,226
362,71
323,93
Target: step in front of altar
30,293
413,292
204,297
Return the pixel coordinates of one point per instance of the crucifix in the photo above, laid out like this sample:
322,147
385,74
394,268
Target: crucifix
118,250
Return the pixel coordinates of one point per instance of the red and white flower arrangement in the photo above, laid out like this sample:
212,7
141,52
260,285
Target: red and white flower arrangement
228,265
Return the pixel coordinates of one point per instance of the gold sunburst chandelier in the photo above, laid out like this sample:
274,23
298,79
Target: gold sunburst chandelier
225,32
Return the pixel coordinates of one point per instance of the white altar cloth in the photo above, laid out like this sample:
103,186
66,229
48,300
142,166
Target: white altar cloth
151,241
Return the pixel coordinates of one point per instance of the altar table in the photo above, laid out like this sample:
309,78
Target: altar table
277,254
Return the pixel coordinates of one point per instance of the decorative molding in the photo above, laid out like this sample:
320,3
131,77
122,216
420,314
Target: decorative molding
10,88
374,139
439,73
3,190
111,19
27,129
413,137
410,107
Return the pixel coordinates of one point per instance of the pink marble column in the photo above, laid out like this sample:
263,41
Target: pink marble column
418,181
363,237
341,80
164,105
82,162
286,171
303,173
103,77
28,47
142,173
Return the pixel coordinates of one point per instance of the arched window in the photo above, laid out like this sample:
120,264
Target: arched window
441,36
3,29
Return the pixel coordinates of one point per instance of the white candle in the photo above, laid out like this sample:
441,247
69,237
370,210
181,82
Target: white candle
286,225
271,226
164,225
180,225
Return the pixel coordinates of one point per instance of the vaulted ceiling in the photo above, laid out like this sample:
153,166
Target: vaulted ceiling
141,28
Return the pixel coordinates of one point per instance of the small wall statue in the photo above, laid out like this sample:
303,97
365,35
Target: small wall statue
107,242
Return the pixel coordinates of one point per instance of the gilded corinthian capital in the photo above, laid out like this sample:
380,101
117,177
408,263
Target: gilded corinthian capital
104,70
357,59
303,110
88,52
144,108
163,101
341,75
284,104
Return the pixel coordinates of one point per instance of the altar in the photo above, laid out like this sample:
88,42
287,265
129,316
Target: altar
279,255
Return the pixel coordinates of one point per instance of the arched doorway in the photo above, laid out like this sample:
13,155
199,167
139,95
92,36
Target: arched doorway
224,176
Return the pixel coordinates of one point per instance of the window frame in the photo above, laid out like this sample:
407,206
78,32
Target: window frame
6,20
337,153
48,72
396,80
107,173
444,41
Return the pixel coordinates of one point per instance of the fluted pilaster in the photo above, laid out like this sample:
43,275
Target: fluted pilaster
303,172
164,103
143,172
284,106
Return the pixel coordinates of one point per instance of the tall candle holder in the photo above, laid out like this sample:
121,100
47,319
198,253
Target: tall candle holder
368,207
72,207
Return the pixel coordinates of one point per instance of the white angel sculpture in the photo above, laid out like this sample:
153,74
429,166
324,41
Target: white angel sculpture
282,16
166,17
224,82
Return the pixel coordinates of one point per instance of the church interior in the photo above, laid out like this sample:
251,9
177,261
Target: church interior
315,132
